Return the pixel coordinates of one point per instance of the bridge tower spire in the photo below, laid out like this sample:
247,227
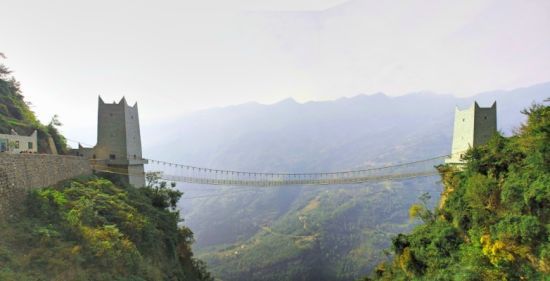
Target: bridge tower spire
473,126
119,140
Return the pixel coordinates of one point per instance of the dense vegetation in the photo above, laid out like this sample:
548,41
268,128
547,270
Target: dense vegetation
92,229
15,114
493,222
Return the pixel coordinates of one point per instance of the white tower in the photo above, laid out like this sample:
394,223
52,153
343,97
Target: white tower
472,127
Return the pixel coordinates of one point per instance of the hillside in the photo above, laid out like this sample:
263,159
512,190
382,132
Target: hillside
15,114
232,225
493,221
92,229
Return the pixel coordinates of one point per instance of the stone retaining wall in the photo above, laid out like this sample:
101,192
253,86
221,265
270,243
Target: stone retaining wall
20,173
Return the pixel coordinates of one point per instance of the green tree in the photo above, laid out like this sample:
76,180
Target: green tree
162,195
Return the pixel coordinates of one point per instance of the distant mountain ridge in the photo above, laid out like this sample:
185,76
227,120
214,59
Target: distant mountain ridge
198,137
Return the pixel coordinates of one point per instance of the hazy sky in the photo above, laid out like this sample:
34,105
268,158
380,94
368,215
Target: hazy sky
174,57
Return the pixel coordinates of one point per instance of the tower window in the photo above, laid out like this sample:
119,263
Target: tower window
485,117
16,145
29,145
93,156
112,156
463,119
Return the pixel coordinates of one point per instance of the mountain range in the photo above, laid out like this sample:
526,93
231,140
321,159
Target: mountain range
306,232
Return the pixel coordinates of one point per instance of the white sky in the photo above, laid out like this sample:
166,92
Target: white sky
175,57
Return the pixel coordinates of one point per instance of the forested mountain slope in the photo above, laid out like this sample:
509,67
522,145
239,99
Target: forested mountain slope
493,222
92,229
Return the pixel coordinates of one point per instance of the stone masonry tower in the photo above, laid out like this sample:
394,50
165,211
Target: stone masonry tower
472,127
119,140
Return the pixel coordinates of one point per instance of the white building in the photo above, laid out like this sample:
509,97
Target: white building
473,126
14,143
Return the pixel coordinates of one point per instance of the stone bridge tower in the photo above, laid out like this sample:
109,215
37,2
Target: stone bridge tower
473,126
119,140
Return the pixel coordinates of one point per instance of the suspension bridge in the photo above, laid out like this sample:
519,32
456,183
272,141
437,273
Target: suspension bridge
116,123
208,176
